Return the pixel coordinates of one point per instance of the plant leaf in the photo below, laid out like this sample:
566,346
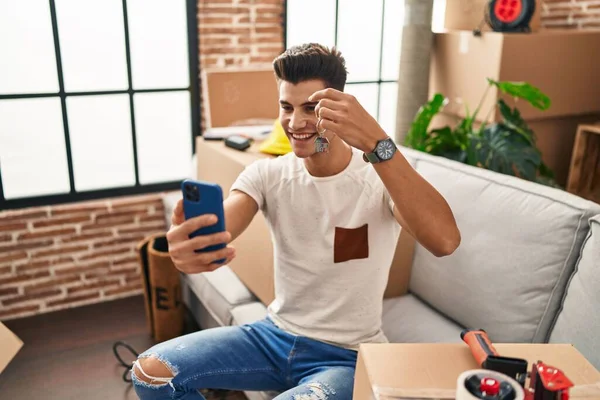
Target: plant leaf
512,119
545,171
417,134
525,91
444,142
501,149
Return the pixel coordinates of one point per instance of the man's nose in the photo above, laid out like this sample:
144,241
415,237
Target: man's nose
297,122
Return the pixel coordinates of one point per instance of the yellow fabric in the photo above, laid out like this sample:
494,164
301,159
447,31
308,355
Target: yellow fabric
277,143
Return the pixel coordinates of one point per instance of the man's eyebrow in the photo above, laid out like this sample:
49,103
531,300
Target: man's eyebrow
307,103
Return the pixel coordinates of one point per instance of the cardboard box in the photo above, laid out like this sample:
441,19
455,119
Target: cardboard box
461,64
10,345
468,15
254,248
399,371
563,64
233,95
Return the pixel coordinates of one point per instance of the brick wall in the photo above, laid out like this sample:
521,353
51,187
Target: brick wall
571,14
239,32
64,256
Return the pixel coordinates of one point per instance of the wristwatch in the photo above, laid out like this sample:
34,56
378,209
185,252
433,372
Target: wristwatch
384,151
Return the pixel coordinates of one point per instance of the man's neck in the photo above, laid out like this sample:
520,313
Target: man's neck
332,163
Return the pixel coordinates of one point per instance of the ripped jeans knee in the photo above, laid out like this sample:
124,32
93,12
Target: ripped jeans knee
151,371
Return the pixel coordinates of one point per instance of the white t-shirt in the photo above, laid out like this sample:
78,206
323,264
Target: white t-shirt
334,239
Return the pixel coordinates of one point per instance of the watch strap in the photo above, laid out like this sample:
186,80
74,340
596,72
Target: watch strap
371,158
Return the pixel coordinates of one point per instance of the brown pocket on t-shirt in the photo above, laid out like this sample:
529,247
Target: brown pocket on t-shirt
351,244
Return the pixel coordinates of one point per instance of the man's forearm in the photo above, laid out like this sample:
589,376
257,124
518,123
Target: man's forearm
422,208
240,209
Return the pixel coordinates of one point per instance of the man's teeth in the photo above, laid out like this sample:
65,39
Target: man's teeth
303,136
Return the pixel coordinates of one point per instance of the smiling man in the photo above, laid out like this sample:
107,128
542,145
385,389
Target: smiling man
335,206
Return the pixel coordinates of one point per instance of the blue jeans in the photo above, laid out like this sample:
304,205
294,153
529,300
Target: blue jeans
253,357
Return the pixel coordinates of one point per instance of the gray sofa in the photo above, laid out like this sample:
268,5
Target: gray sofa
527,270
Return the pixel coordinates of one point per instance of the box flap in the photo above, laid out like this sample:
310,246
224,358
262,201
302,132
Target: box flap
10,345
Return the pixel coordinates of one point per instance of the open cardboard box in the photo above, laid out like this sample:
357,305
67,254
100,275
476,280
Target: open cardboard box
10,345
430,371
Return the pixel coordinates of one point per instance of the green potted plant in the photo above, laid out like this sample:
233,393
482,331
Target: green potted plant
507,146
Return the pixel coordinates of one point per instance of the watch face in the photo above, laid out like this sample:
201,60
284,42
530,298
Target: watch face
385,149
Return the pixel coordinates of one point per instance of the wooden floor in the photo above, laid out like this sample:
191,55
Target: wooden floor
68,354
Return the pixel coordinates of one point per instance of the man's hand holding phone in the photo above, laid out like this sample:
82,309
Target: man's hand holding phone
182,248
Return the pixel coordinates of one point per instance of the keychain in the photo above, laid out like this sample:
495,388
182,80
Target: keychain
321,142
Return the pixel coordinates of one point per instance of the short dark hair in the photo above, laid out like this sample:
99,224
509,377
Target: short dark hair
312,61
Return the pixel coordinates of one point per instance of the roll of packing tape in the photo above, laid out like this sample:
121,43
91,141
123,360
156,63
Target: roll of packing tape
486,384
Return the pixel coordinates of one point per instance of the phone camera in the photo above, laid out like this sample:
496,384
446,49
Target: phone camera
191,192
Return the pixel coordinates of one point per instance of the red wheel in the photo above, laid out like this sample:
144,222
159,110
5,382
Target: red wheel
510,15
508,10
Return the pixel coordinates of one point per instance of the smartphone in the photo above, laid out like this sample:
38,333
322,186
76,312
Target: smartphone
200,198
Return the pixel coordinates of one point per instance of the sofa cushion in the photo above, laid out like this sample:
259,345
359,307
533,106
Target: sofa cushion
219,291
578,321
248,313
520,242
406,319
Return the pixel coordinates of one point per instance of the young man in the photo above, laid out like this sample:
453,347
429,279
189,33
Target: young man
335,216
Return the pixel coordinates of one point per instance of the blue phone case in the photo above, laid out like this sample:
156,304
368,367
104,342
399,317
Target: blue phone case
204,198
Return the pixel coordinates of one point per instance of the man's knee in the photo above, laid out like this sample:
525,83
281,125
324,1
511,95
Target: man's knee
151,370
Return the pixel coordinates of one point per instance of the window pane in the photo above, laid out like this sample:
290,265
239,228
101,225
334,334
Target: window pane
392,34
92,44
366,94
360,46
164,136
159,44
439,15
32,148
310,21
387,107
101,144
28,61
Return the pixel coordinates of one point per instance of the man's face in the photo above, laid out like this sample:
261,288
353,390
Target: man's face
297,115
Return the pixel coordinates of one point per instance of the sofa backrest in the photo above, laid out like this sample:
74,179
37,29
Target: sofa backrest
520,242
578,321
